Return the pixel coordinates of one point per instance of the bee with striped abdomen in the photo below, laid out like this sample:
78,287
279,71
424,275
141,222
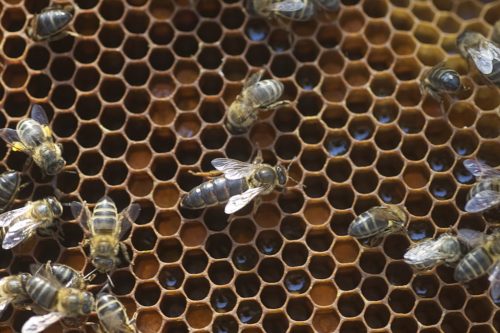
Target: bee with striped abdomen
22,223
34,137
51,23
256,95
483,53
105,227
240,183
483,259
440,80
67,276
447,249
295,10
112,315
13,291
10,184
485,194
376,222
50,295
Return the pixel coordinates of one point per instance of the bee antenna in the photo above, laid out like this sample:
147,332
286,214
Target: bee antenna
90,273
110,282
297,183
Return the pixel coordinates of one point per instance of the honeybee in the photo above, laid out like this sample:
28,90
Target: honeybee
13,291
51,23
105,227
481,260
240,183
440,80
61,302
296,10
376,222
485,194
34,137
256,94
483,53
447,249
23,222
65,275
10,184
112,315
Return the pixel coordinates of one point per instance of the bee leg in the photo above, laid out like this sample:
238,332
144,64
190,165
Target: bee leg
207,174
133,319
123,249
258,159
27,163
275,105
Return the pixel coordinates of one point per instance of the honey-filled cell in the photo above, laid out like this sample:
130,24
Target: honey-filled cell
138,97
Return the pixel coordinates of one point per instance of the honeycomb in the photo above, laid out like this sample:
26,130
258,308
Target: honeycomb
139,98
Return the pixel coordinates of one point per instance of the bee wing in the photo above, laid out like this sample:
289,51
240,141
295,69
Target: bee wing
286,6
38,114
8,218
424,251
253,79
483,59
4,302
18,232
233,169
482,200
480,169
128,216
39,323
239,201
81,212
495,283
472,238
9,135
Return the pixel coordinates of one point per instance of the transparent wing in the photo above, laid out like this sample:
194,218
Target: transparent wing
237,202
482,200
495,283
472,238
287,6
480,169
81,213
8,218
425,251
233,169
253,79
38,114
4,302
128,216
39,323
9,135
483,59
18,232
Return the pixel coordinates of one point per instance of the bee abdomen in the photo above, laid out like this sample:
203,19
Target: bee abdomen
215,191
474,264
494,76
30,132
9,184
109,307
366,225
41,292
265,92
52,21
104,217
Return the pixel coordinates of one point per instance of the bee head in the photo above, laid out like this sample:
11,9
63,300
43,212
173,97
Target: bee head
451,81
87,303
104,265
55,206
52,161
281,174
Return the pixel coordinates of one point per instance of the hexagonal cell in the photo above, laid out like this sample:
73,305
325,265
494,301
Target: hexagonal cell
464,142
380,59
488,126
403,44
377,33
479,309
361,128
401,300
377,315
365,181
354,47
404,325
398,273
442,187
428,312
299,309
247,285
173,305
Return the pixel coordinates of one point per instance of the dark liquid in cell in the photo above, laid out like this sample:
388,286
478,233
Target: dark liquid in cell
244,260
337,146
419,231
361,132
440,191
170,280
220,301
249,313
225,325
439,164
463,176
268,243
257,31
297,282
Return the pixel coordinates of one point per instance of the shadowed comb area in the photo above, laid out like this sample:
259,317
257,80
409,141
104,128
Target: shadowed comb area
139,100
